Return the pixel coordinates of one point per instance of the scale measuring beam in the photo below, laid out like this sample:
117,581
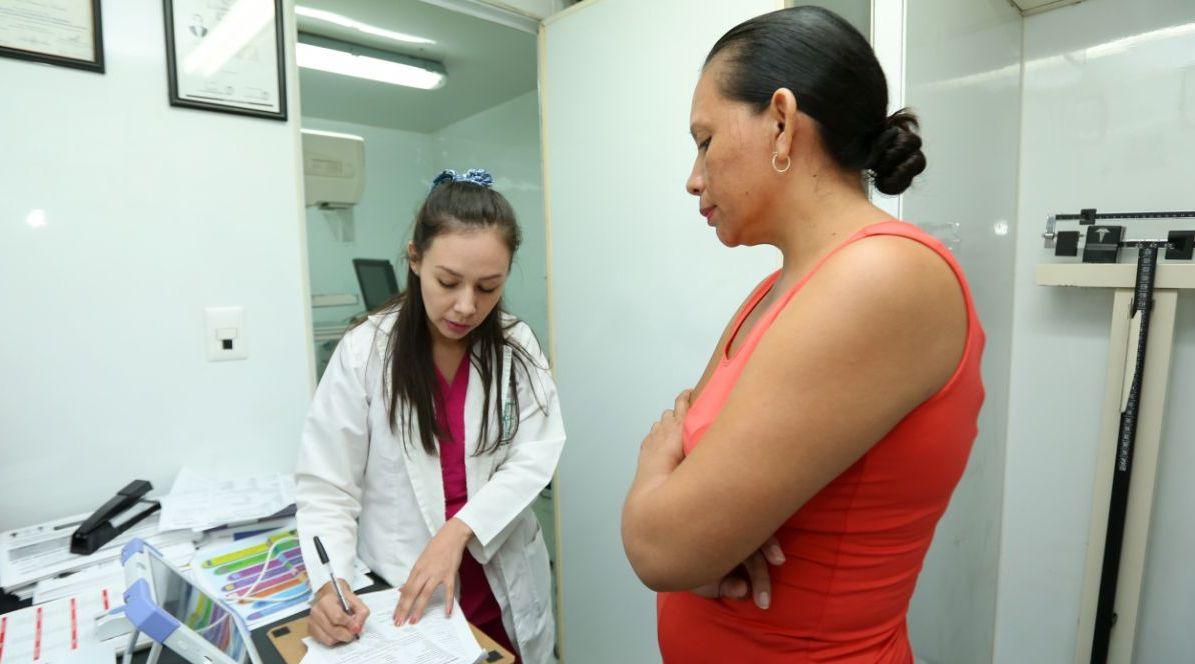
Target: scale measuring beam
1141,340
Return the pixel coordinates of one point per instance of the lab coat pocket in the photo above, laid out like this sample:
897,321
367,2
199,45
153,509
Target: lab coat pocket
538,573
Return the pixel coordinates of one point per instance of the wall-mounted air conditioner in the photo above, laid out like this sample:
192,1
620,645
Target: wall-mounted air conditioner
333,169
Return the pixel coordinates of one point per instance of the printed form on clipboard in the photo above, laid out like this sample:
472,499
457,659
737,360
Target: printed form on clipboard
435,639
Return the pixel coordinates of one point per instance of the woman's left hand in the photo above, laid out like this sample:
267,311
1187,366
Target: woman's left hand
437,566
664,444
758,583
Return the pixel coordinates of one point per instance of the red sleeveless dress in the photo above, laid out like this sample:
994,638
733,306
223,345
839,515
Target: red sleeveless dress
854,550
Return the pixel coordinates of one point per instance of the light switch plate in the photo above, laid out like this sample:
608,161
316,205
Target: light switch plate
224,333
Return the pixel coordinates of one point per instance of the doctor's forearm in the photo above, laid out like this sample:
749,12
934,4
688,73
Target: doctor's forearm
510,491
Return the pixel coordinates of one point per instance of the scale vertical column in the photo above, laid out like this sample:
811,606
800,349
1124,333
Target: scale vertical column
1131,568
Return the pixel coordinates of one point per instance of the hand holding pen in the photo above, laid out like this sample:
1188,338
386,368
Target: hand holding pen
337,614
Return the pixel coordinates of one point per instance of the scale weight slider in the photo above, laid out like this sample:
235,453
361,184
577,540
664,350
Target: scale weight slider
1066,243
1103,244
1181,245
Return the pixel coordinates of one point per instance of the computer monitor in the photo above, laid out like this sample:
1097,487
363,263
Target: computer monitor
377,281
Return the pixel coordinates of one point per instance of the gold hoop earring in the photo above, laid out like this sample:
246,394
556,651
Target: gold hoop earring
788,162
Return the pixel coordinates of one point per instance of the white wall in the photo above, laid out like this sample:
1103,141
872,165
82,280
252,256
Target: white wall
1109,122
152,213
962,72
641,288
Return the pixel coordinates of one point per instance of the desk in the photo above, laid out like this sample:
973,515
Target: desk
261,640
260,635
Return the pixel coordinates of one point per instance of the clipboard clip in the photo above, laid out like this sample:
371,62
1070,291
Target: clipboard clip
113,518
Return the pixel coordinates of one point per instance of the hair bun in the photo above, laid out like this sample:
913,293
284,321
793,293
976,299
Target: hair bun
896,156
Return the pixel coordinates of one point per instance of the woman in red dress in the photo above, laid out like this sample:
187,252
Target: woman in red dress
813,459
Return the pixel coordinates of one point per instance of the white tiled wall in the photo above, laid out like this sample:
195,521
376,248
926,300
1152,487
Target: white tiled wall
1109,122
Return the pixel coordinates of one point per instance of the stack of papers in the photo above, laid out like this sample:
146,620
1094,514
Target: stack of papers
62,630
42,554
198,503
105,575
435,639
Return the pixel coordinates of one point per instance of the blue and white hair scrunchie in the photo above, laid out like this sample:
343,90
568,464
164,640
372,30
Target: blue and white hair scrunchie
475,175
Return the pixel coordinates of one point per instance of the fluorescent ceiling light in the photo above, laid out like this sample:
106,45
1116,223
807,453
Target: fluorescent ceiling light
331,134
351,60
365,28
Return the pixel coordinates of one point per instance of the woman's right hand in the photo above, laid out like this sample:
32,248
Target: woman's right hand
758,582
328,623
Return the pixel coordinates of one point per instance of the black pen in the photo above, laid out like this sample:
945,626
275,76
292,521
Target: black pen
323,558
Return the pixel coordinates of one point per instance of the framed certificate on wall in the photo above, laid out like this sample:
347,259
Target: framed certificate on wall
60,32
226,56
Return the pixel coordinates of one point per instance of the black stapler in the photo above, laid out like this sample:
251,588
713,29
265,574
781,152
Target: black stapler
113,518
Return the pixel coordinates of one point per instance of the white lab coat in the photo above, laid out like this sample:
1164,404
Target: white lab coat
371,492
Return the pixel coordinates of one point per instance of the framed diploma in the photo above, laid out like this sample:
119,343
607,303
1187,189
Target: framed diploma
60,32
226,56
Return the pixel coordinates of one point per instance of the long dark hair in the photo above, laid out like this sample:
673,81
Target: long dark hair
410,377
837,80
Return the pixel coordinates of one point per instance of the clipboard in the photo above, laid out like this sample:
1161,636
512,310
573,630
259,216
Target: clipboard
288,641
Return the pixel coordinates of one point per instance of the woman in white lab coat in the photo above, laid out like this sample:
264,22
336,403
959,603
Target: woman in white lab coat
434,427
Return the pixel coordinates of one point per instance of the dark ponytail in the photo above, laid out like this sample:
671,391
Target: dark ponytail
410,381
837,81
